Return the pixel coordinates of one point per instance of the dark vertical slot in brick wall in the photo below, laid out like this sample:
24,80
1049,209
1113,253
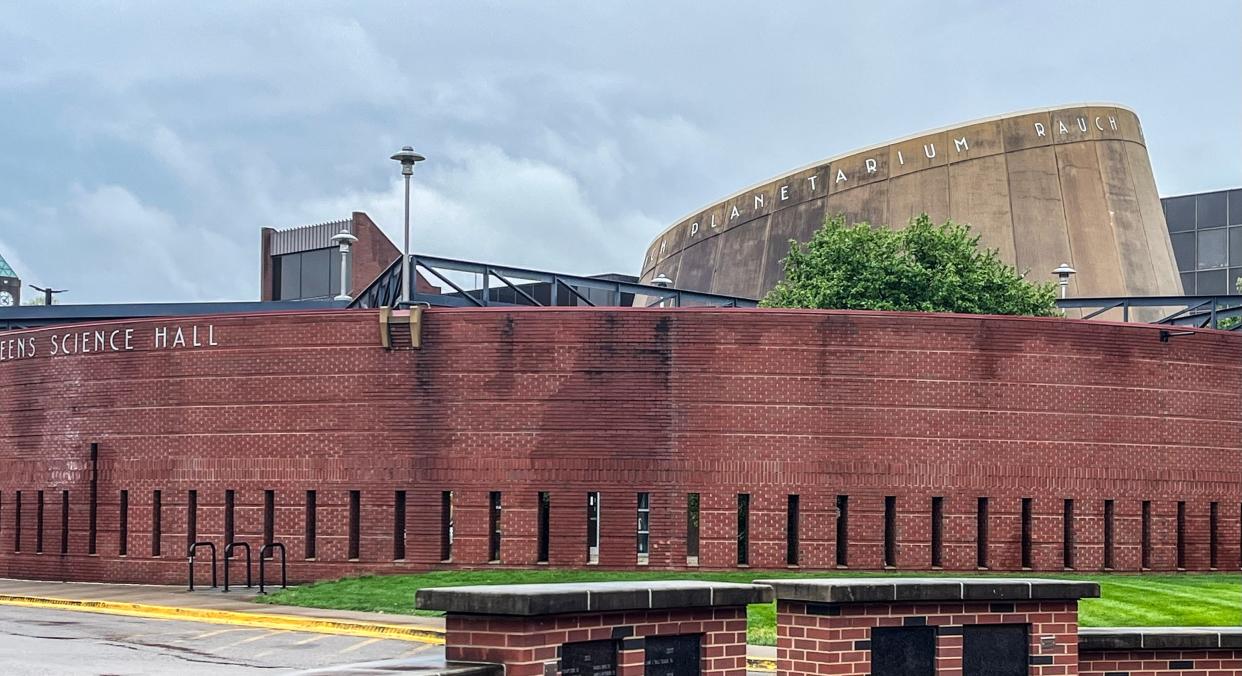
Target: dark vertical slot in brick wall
937,531
398,525
39,522
692,526
92,518
191,519
1213,513
493,521
1,511
592,521
981,533
743,529
1109,519
355,506
123,535
17,522
1145,545
791,531
643,537
1067,539
64,522
230,501
156,533
446,525
309,536
1181,534
1026,532
890,531
545,517
843,530
269,517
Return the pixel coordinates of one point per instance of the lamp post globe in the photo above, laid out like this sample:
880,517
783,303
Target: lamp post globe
408,158
1063,273
343,240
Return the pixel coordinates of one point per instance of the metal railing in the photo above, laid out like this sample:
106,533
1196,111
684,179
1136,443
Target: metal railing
228,555
1197,311
264,552
507,285
193,551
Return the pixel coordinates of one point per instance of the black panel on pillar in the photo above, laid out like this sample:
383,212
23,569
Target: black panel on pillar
995,649
672,655
589,658
903,651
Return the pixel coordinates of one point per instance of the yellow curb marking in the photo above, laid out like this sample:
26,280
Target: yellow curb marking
317,625
359,644
760,664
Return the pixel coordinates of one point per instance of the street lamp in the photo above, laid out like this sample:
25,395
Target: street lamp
342,240
407,157
662,280
1063,274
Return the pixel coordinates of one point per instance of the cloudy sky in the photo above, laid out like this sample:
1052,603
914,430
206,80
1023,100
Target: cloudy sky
143,145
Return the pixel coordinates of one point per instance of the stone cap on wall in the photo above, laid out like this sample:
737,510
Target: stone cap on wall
881,589
1158,638
556,599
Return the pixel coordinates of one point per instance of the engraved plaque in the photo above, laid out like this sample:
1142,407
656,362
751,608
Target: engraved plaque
995,649
903,651
589,658
672,655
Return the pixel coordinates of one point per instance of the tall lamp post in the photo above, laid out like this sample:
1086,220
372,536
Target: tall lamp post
407,157
1063,274
342,240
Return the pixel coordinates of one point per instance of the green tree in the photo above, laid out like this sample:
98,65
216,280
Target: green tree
923,268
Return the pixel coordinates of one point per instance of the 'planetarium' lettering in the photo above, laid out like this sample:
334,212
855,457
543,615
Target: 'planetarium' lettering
107,340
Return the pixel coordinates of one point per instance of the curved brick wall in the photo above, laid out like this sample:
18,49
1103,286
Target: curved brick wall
669,402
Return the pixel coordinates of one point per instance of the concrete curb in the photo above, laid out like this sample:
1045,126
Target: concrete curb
316,625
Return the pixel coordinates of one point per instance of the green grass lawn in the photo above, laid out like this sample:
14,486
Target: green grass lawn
1127,600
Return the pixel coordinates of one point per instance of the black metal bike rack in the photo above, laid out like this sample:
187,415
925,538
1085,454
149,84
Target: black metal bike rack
264,551
228,555
193,550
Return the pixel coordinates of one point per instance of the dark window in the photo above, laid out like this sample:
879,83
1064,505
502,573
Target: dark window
1235,247
446,525
791,531
1184,250
39,522
17,522
398,525
692,529
1108,533
890,531
269,517
1210,210
1026,532
843,530
123,536
1235,207
316,273
545,517
93,515
1179,213
1213,282
229,501
743,529
937,531
311,508
644,527
1145,546
290,277
903,651
156,531
1231,282
1213,249
1181,534
493,520
981,533
1212,515
355,509
1067,540
995,649
1188,283
592,527
64,522
191,519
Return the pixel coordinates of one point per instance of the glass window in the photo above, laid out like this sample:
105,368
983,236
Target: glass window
334,272
290,277
1188,283
1212,283
1184,250
644,526
1213,249
1235,246
1232,281
1210,210
1179,213
1235,207
316,273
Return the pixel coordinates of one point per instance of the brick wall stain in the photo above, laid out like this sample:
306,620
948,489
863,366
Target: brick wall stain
622,401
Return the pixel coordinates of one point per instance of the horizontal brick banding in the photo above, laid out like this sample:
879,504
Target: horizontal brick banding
620,401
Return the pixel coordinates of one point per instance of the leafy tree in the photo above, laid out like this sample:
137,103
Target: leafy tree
923,268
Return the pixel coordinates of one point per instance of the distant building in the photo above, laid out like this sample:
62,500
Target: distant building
1206,230
10,285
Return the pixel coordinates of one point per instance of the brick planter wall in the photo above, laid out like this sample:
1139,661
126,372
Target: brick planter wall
1218,662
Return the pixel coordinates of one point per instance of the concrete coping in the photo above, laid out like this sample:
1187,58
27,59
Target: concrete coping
882,589
1103,639
557,599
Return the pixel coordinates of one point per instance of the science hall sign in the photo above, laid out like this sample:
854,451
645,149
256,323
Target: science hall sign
119,339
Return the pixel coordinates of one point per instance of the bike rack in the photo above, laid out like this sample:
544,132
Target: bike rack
228,555
193,550
263,554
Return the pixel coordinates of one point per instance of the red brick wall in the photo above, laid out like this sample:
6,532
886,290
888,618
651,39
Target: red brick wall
525,645
810,640
1220,662
619,401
